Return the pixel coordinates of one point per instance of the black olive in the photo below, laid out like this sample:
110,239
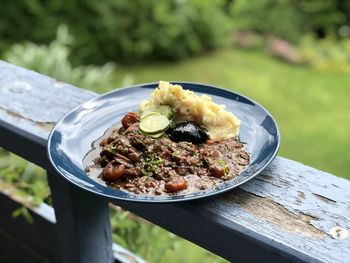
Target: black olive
188,131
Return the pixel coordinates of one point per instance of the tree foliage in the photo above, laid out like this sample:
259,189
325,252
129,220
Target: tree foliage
115,30
291,19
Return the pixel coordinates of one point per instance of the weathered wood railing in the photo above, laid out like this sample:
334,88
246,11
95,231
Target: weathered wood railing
289,213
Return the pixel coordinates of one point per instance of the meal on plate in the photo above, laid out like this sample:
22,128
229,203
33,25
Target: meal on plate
177,143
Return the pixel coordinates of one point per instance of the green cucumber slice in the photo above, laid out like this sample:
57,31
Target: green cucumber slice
162,109
154,123
157,135
165,110
154,136
148,112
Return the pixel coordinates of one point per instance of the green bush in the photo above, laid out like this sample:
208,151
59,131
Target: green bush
268,17
53,60
291,19
160,29
326,54
28,179
119,30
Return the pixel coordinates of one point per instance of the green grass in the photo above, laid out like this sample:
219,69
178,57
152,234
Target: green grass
312,108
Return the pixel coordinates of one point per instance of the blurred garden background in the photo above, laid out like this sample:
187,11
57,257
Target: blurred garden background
292,56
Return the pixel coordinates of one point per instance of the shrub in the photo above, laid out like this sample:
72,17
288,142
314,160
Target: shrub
119,30
52,60
28,179
268,17
163,29
326,54
290,19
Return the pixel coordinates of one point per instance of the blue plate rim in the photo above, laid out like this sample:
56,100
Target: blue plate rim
155,200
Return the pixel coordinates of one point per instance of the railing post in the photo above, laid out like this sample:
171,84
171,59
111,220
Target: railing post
83,225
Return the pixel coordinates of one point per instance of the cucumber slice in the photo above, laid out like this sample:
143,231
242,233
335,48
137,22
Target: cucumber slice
162,109
157,135
154,123
165,110
154,136
148,112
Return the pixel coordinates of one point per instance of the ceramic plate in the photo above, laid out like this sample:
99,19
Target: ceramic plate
74,134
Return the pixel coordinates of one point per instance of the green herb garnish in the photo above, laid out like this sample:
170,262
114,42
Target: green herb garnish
150,164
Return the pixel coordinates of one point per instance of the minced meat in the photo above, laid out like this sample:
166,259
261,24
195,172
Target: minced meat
134,162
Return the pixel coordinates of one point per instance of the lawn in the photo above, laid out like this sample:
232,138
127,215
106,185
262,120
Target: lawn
312,108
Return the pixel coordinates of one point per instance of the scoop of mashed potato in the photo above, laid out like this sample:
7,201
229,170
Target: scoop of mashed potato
187,105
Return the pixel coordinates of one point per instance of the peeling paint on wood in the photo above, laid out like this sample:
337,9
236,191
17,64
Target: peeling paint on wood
324,198
339,233
266,209
301,195
17,85
291,189
46,126
292,207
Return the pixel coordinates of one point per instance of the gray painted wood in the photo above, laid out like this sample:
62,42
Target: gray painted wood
290,213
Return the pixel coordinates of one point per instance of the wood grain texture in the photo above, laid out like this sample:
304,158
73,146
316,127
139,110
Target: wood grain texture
303,221
290,212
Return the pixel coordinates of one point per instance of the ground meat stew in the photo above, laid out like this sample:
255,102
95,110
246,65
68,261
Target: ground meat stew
135,162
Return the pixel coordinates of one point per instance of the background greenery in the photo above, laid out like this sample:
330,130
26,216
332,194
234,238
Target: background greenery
114,43
119,30
128,31
291,19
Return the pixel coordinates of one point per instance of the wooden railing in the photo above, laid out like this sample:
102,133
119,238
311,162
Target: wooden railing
289,213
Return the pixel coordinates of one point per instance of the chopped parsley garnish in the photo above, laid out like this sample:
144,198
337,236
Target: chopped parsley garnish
150,164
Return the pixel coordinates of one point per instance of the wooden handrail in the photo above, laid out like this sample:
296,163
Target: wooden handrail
289,213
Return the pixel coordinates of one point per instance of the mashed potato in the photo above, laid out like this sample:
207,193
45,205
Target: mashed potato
187,105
